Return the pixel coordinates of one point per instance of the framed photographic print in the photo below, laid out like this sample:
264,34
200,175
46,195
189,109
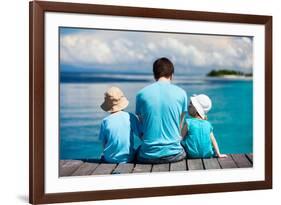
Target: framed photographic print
132,102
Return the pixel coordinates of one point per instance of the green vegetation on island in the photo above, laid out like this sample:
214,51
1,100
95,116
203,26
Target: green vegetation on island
224,72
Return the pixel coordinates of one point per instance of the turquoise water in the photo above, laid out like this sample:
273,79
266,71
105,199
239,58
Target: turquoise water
80,114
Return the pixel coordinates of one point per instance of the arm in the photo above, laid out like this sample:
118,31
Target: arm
184,131
184,110
182,120
139,117
138,127
102,135
215,145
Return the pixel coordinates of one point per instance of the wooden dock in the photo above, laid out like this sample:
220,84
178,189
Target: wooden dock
86,167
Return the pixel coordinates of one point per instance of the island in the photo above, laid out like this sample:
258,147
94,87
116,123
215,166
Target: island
228,73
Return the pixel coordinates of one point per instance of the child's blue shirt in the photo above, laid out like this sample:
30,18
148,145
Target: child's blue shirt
197,142
117,135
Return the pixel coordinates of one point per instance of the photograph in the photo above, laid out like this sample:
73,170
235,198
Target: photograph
135,101
129,102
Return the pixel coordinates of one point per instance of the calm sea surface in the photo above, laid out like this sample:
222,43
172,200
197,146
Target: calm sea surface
80,115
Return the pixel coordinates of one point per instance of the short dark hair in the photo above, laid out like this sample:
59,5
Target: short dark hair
163,67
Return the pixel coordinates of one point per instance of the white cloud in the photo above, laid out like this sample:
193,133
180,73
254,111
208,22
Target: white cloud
97,48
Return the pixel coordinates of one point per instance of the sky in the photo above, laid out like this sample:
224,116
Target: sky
135,51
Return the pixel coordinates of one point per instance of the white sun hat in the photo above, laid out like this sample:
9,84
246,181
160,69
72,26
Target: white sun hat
202,104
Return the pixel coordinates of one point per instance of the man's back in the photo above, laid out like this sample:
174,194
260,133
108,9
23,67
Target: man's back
160,106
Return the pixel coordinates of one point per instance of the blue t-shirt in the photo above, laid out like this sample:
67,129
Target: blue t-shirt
159,107
117,133
197,142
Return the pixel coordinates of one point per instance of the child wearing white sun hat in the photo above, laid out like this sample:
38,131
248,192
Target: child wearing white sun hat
198,138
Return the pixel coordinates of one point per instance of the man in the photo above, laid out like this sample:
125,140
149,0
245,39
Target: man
161,107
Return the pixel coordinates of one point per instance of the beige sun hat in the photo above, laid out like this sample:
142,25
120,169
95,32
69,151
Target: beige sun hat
202,104
114,100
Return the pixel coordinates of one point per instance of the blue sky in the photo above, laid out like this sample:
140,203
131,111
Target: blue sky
135,51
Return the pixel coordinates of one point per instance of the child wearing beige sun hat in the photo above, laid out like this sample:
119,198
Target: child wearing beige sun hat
118,130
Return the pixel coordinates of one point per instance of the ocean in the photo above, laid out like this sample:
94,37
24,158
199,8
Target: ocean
82,93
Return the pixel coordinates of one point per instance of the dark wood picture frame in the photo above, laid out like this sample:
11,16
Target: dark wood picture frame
37,96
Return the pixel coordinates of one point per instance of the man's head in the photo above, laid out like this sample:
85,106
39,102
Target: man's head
163,67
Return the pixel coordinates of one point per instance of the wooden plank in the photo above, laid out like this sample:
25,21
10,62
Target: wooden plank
123,168
241,160
194,164
250,157
227,163
80,168
178,166
211,163
69,167
85,169
62,162
141,168
161,167
104,169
